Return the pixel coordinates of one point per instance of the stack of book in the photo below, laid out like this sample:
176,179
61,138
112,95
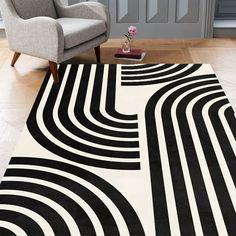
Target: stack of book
135,54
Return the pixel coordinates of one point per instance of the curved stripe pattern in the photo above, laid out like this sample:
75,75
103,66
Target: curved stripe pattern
161,74
23,217
51,189
203,201
11,229
87,177
87,149
110,101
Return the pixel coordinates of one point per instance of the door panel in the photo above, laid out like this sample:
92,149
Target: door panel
187,11
127,11
157,11
157,18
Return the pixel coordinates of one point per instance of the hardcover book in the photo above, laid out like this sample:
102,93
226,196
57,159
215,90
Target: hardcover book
134,54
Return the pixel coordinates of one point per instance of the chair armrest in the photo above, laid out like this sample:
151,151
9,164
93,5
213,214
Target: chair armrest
86,10
40,37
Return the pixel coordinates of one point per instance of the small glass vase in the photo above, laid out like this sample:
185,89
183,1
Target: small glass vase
126,44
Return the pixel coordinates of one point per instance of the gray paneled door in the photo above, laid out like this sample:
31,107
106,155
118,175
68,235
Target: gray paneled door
160,18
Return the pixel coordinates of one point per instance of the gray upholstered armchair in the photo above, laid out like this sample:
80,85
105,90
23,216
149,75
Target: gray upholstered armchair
50,30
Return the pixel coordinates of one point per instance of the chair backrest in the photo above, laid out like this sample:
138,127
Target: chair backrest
32,8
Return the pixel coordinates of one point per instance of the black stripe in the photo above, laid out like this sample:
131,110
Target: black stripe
96,100
157,182
110,101
181,197
76,212
6,232
167,79
81,117
57,150
158,190
213,165
56,132
48,213
65,120
134,72
230,116
222,136
161,74
133,223
23,221
134,67
200,192
78,132
104,215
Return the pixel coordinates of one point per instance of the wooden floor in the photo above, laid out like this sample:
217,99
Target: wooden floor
19,86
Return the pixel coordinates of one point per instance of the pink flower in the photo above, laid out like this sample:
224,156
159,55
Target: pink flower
132,30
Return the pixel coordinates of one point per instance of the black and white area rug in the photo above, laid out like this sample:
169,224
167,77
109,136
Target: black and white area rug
124,150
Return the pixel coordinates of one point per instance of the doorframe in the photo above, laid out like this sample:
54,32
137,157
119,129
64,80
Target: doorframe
209,12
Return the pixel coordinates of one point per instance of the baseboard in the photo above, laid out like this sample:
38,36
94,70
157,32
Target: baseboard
224,33
224,28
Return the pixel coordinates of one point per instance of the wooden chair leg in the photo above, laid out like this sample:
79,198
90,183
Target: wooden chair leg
15,58
98,54
53,68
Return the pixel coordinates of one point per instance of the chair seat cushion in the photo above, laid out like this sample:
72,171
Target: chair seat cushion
78,31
